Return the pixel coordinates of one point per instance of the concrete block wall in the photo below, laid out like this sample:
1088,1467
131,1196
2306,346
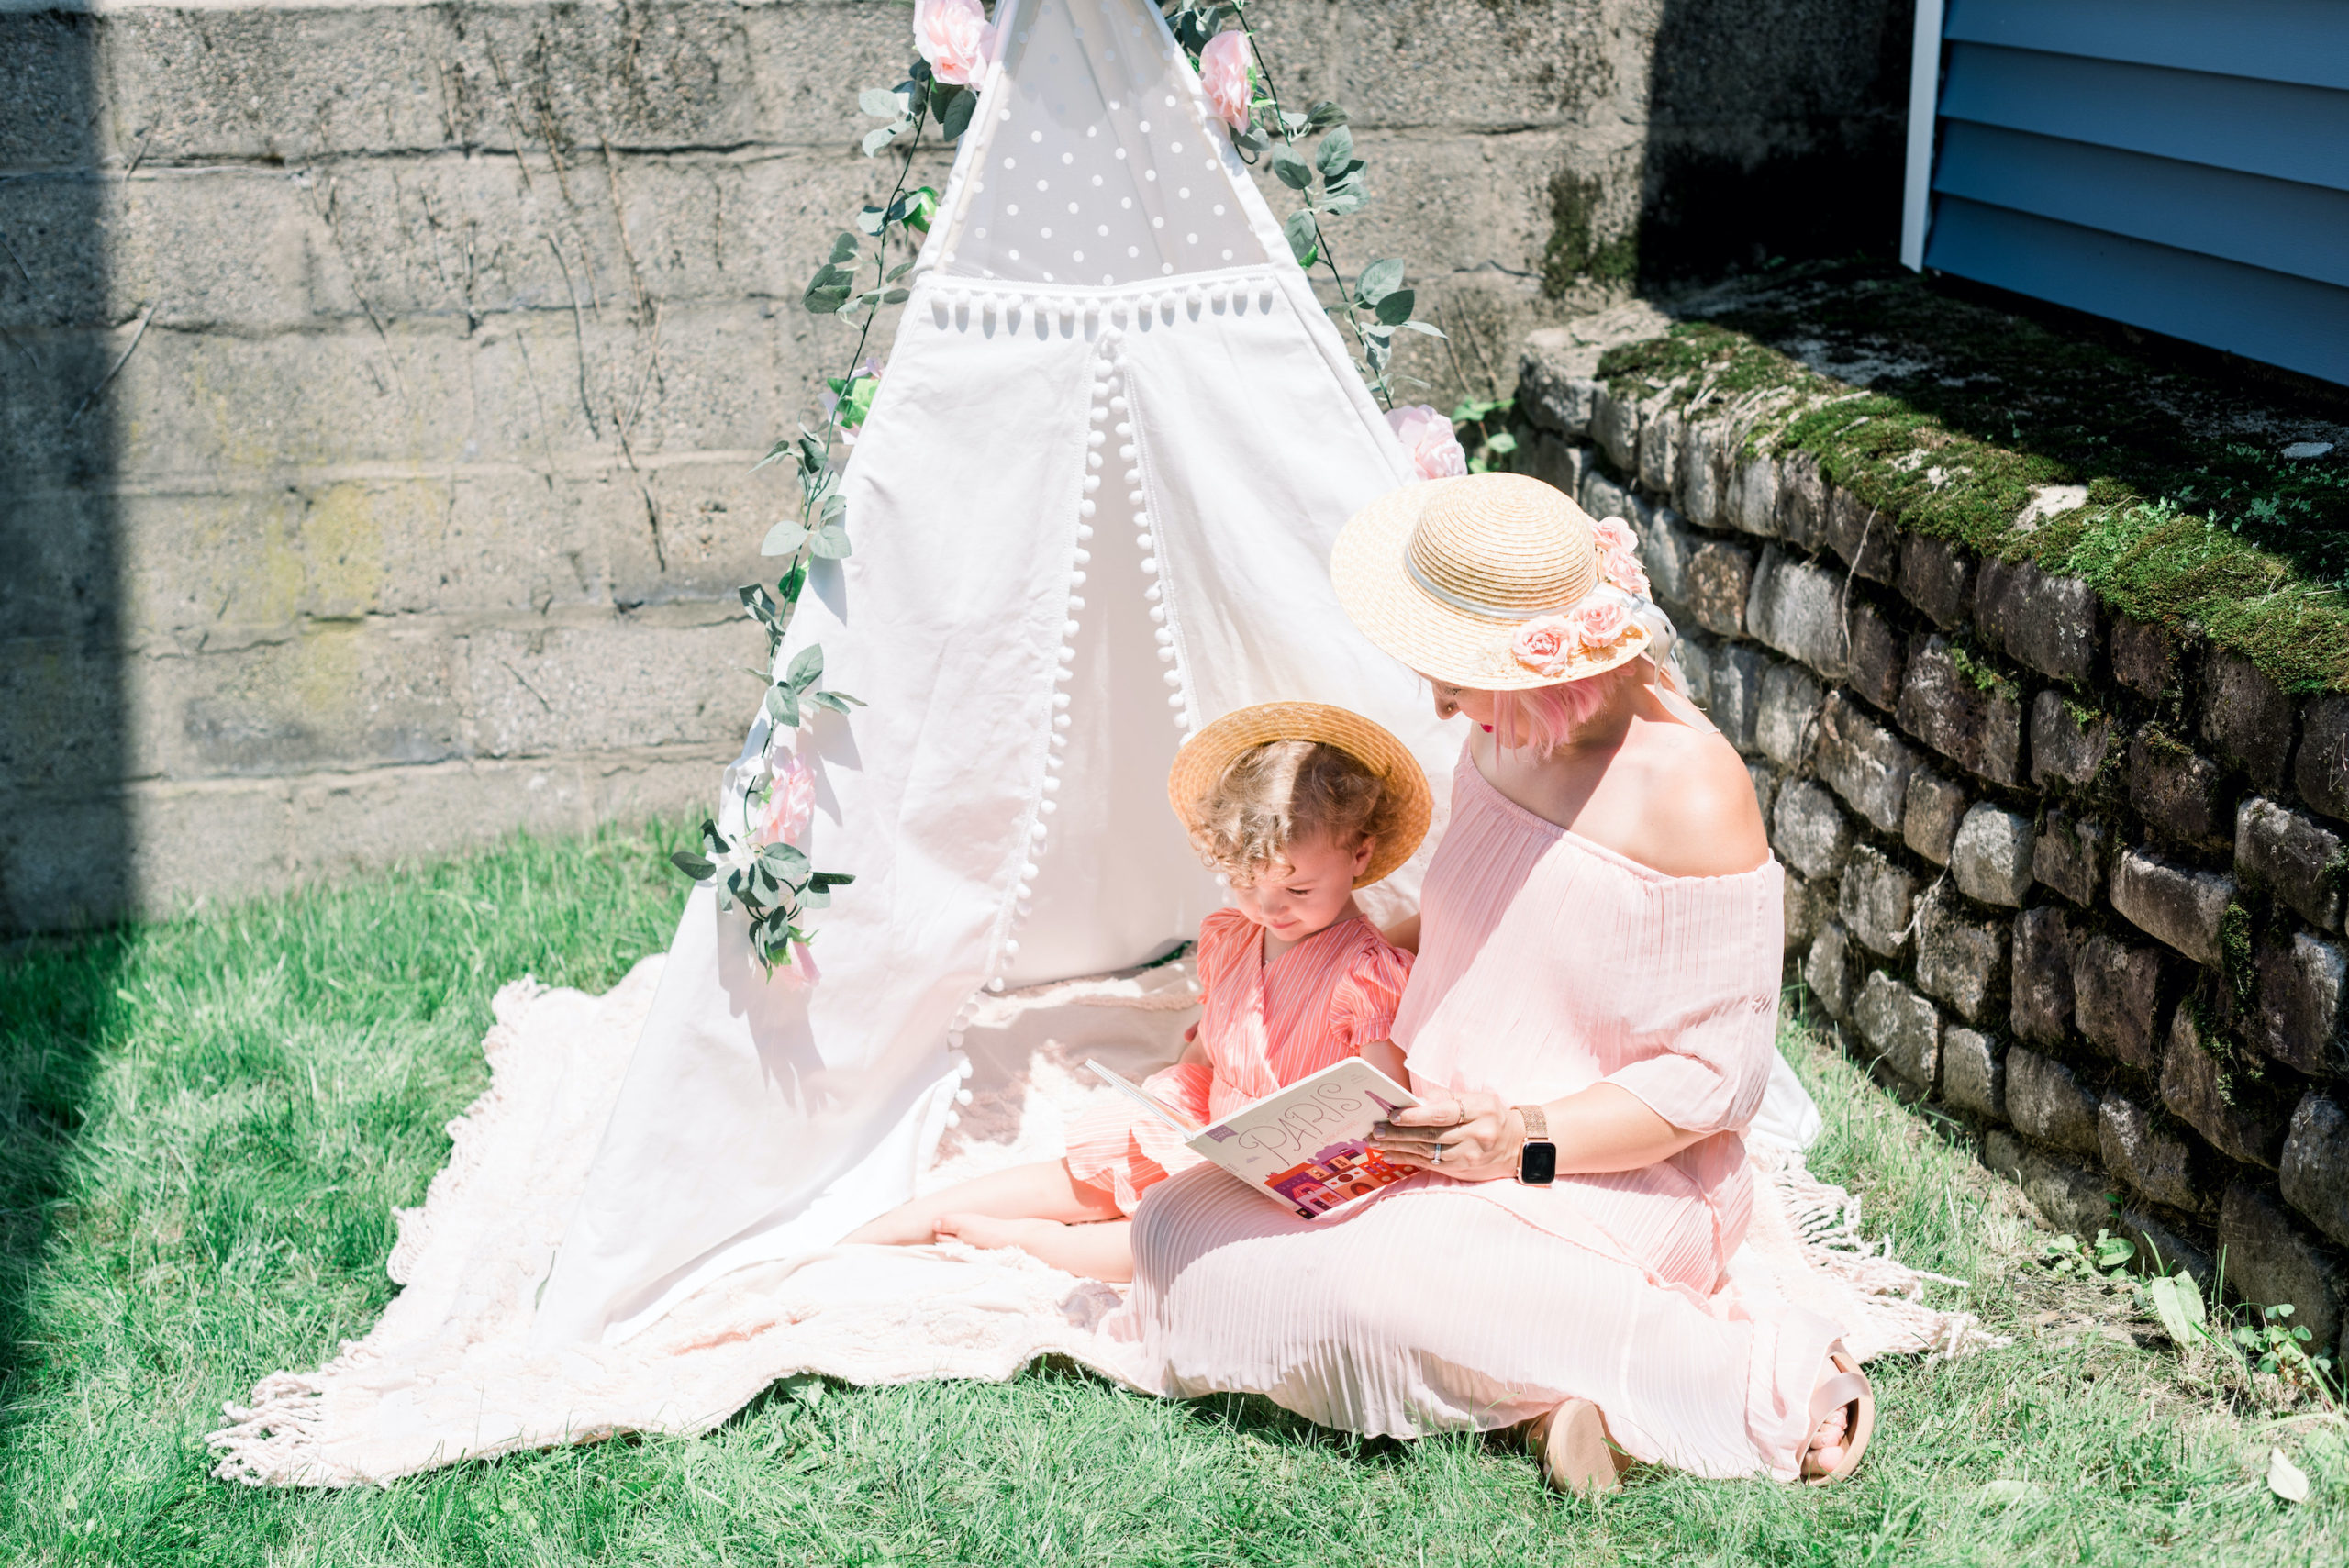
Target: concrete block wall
379,383
2077,879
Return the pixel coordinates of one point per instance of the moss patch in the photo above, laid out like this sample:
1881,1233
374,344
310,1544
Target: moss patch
1951,416
1574,248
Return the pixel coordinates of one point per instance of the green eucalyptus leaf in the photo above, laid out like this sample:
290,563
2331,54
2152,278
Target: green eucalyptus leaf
1394,309
1379,279
787,589
692,866
881,105
1337,150
875,140
839,702
784,861
830,879
783,708
773,453
806,666
956,118
896,296
783,539
813,897
873,219
844,248
1291,170
1345,203
1251,139
1427,328
831,542
1324,113
1303,235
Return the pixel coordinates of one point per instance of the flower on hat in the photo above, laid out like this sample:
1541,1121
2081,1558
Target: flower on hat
1614,533
1599,620
1434,447
1622,568
1545,644
1223,76
954,37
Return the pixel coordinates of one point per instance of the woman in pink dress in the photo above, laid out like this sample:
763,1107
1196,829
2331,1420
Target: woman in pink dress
1590,1024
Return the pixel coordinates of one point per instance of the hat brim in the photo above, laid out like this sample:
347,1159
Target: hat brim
1369,569
1201,765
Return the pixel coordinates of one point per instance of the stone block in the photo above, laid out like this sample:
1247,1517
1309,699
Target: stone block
1603,496
1787,721
2152,1162
1830,970
1930,812
2199,1094
1668,545
2296,856
2270,1261
1937,578
1753,504
1807,906
1693,653
1660,436
1802,501
1974,1072
1973,719
2046,1100
2181,794
1962,960
1549,389
1899,1026
1721,575
1766,785
2247,717
1797,608
1704,456
2322,771
2002,1153
2177,904
1737,672
2120,997
1991,856
1554,461
2163,1250
2069,1199
2297,1016
2042,1005
2068,742
2071,855
1877,897
1615,426
1810,832
2052,625
1879,656
2315,1171
2146,657
1864,763
1867,538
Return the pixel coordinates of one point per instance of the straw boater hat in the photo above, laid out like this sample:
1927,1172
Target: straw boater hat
1201,765
1494,581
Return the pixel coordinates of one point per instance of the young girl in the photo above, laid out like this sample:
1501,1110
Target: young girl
1297,804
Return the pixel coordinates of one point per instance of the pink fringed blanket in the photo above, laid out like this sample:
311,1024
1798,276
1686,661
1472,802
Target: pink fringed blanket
448,1373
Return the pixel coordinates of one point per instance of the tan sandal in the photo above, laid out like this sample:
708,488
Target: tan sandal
1576,1456
1846,1388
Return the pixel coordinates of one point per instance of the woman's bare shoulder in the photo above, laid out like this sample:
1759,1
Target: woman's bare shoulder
1702,816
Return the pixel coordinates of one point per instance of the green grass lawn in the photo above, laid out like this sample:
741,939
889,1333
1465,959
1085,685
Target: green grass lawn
204,1123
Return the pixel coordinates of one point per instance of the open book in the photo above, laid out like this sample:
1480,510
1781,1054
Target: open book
1303,1147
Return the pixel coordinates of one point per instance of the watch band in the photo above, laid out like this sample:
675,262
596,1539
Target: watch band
1537,1124
1537,1157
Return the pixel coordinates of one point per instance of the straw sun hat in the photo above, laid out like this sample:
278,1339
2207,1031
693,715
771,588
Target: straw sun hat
1492,581
1200,766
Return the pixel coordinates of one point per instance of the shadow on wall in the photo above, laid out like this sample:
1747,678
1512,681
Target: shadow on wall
1775,129
64,829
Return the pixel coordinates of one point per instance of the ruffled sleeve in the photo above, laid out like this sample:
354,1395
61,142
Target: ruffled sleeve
1702,1025
1363,1000
1220,938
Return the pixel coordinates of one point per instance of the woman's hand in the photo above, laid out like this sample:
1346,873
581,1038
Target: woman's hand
1469,1136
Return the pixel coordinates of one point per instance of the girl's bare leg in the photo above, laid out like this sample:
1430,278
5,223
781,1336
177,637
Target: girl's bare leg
1099,1250
1041,1191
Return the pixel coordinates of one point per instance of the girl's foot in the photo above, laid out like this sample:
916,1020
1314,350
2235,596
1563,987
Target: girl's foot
1842,1413
1576,1456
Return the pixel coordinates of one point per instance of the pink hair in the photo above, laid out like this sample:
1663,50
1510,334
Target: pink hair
1545,718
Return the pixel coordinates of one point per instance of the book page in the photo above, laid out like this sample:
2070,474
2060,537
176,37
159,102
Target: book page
1148,1101
1305,1147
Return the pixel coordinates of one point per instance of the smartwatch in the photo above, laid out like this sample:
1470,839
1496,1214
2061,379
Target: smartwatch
1537,1159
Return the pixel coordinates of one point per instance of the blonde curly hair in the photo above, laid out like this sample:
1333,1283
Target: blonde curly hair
1282,793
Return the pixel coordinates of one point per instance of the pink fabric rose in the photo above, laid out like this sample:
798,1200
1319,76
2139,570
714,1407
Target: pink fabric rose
1427,435
1622,568
1545,645
1613,533
800,973
1224,73
1600,620
791,803
954,37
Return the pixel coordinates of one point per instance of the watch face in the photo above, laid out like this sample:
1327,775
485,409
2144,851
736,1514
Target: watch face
1537,1164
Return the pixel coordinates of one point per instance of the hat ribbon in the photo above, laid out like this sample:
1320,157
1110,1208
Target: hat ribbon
1444,596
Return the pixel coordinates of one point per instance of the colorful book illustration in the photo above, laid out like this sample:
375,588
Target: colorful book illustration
1304,1147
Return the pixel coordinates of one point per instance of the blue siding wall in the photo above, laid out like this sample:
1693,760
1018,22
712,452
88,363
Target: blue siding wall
2180,166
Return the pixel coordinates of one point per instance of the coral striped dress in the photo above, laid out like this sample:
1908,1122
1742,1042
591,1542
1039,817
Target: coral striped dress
1547,963
1264,1027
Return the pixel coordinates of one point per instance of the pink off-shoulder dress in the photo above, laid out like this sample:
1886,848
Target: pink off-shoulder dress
1547,963
1264,1027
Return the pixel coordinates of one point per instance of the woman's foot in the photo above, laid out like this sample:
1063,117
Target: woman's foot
1576,1455
1842,1412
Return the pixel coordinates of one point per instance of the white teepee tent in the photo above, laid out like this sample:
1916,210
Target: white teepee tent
1092,508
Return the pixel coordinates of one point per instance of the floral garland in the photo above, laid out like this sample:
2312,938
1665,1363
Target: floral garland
1596,628
758,860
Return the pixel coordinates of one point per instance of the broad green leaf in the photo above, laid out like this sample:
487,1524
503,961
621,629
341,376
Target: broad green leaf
1291,170
1324,113
1251,139
787,589
873,219
921,210
1379,279
783,708
830,542
844,248
1500,442
1345,203
784,537
835,507
692,866
883,105
784,861
839,702
896,296
1337,150
957,117
1396,308
830,879
806,665
942,94
2177,1302
2286,1480
1303,236
1295,125
827,289
875,140
1427,328
781,446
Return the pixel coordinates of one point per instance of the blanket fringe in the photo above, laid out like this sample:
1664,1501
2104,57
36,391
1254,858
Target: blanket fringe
1827,1226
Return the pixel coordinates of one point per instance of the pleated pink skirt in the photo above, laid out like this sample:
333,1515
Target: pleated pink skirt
1431,1309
